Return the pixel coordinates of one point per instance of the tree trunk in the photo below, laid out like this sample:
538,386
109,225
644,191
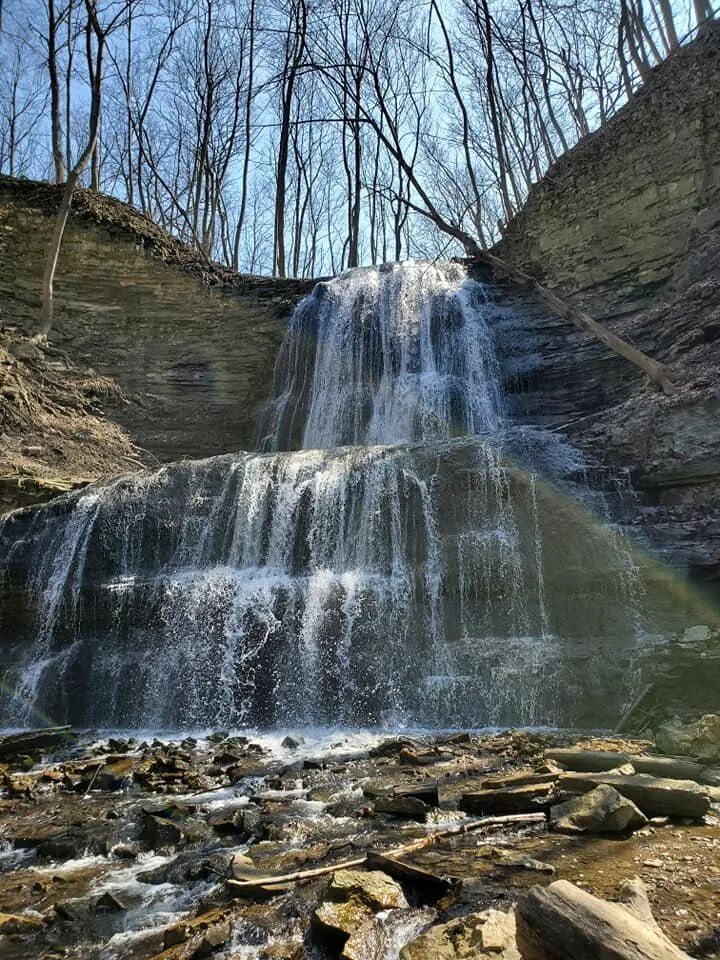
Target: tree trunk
55,121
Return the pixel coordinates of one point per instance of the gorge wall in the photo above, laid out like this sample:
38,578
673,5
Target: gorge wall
613,219
191,346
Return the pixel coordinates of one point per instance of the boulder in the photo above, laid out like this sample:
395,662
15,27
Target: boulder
603,810
353,897
655,796
409,807
478,936
699,740
698,634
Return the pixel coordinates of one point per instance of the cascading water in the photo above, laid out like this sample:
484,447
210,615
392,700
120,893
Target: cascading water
399,552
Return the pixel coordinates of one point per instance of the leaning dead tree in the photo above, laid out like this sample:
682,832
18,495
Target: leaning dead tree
93,29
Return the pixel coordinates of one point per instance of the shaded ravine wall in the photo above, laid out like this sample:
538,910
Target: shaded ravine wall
193,348
613,217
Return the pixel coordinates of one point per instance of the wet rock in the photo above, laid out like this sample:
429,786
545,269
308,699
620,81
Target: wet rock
211,929
291,743
407,807
378,937
116,773
514,861
110,903
189,865
530,798
699,740
478,936
352,898
603,810
548,776
698,634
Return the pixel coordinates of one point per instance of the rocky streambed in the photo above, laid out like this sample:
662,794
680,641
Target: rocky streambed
357,845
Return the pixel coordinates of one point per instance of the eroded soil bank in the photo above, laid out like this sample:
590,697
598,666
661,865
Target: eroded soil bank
122,848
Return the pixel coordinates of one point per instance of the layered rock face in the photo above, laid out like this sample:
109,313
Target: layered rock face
613,217
191,346
628,225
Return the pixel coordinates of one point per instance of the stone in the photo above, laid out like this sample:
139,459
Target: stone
19,923
603,810
373,887
532,797
698,634
353,897
478,936
31,740
409,807
699,740
654,796
588,761
292,743
24,350
109,902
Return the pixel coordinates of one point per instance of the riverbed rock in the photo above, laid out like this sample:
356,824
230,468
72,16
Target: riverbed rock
478,936
603,810
16,923
34,740
655,796
352,898
699,740
408,807
532,797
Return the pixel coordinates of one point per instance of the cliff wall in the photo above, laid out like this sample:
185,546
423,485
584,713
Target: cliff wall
191,346
614,217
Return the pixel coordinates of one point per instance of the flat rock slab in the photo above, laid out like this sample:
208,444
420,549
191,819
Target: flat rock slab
30,740
588,761
655,796
528,798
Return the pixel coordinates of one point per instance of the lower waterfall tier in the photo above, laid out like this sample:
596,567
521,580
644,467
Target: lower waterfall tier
439,584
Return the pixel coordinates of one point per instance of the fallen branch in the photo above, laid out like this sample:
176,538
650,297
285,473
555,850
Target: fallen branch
271,881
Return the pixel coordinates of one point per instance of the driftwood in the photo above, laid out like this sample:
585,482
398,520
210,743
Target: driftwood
257,883
532,796
563,922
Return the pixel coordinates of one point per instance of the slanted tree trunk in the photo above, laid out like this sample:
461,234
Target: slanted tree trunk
46,314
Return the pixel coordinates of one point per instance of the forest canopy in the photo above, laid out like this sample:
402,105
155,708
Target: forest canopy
300,138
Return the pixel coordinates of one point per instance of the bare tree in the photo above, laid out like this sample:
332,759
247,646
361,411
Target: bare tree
100,34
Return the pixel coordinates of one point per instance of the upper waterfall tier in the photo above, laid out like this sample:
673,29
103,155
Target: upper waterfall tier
387,355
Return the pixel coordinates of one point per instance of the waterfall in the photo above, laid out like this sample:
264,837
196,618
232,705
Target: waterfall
398,551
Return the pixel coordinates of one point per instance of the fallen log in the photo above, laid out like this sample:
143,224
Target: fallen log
563,922
655,796
239,886
30,740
